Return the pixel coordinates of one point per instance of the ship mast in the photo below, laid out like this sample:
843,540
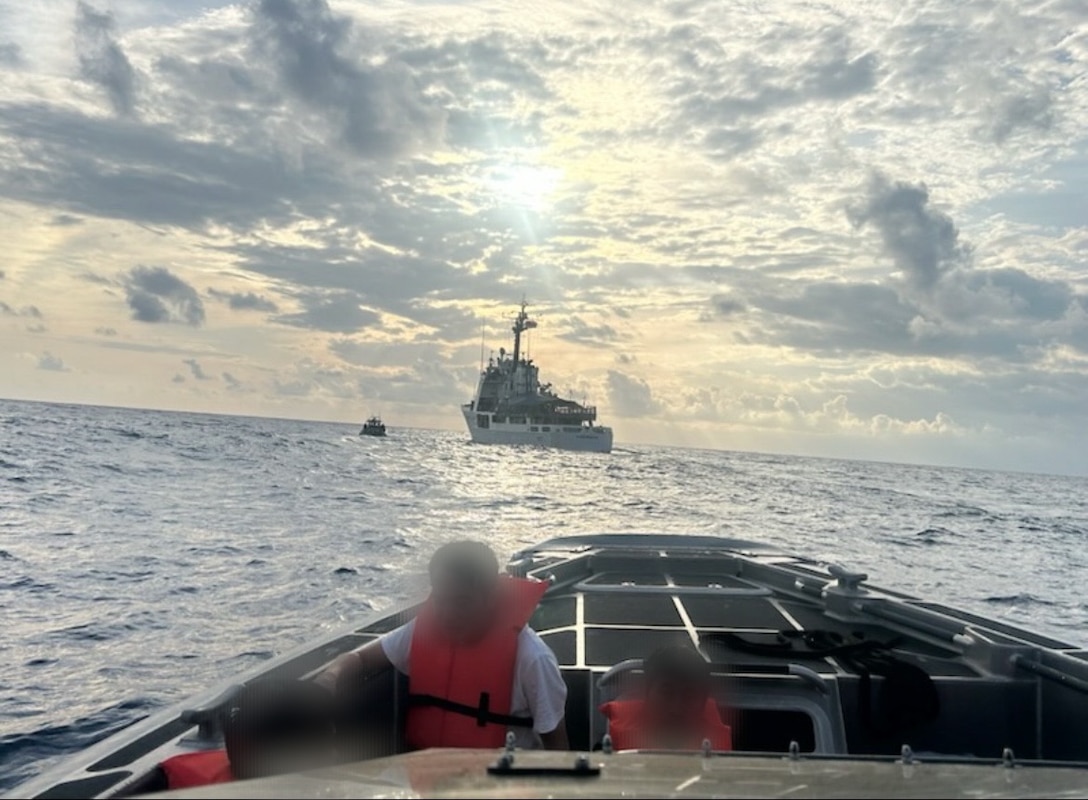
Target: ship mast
521,324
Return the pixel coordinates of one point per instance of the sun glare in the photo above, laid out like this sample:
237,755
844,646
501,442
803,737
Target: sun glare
525,185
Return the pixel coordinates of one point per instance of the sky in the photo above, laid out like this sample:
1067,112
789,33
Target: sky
840,229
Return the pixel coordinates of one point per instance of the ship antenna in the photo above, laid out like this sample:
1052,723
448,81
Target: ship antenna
483,325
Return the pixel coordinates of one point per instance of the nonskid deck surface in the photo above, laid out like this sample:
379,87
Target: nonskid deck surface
615,598
465,773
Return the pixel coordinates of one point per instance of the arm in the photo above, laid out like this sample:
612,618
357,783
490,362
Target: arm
557,739
367,660
545,691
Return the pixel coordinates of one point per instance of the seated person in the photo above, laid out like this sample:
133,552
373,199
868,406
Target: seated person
475,668
273,727
677,710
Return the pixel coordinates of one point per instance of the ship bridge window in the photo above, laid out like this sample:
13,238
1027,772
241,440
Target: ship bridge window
545,428
517,420
483,421
534,428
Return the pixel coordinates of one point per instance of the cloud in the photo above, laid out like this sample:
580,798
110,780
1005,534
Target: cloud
48,361
11,55
727,306
923,242
157,295
26,311
629,396
378,110
178,378
102,62
581,332
310,378
942,304
340,312
103,331
244,301
232,383
1023,112
196,370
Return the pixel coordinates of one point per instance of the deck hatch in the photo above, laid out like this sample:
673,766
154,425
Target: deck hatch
628,577
608,646
733,612
621,609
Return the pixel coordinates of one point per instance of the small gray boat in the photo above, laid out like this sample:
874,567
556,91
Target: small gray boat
373,427
833,688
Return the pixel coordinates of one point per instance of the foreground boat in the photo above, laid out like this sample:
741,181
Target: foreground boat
834,688
512,407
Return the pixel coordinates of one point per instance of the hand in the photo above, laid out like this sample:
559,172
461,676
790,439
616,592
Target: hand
328,679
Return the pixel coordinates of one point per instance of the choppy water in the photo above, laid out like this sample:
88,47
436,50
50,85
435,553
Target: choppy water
144,554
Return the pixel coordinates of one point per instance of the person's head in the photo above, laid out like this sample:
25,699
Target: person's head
277,726
464,576
677,684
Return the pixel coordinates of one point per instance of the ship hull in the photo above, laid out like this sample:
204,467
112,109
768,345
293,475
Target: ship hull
596,439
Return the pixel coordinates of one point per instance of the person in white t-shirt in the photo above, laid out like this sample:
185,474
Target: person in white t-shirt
464,605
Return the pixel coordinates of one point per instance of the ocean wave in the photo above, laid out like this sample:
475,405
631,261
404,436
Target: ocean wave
22,754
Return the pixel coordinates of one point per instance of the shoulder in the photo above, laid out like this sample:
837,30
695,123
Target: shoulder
397,645
534,657
531,646
405,631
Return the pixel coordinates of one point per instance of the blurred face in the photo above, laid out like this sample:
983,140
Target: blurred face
675,706
463,613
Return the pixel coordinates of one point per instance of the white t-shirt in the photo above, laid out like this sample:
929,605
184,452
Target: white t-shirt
539,691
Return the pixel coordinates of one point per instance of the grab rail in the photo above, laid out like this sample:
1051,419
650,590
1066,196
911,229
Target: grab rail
633,588
1050,673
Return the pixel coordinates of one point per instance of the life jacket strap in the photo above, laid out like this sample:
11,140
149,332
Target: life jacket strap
481,713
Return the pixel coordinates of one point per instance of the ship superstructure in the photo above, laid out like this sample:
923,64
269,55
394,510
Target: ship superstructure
511,406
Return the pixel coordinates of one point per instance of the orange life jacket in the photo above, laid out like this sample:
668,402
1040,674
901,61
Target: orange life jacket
628,729
197,769
459,695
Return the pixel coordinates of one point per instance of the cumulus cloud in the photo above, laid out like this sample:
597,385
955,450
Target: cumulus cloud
629,396
154,294
942,305
52,363
379,110
232,383
922,241
245,301
196,370
102,62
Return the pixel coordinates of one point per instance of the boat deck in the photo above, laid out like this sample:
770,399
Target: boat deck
613,599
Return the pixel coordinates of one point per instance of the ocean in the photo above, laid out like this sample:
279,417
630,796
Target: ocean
145,555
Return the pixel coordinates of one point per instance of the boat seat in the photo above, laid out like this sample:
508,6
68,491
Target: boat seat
767,709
